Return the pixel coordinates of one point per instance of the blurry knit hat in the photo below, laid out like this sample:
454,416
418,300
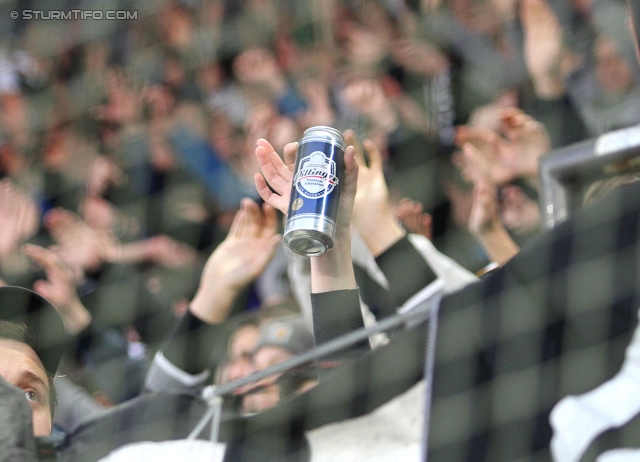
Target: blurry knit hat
289,332
48,337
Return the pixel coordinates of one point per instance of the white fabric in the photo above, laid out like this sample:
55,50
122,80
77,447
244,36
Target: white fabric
362,256
178,374
169,451
454,276
391,433
578,420
620,455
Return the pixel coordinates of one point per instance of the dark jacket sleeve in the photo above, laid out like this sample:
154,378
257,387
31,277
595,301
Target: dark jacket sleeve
406,271
337,313
194,346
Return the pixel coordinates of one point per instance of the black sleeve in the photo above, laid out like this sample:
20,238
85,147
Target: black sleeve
336,313
405,269
194,345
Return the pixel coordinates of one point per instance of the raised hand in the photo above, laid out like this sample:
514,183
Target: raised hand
319,110
240,258
542,47
520,214
161,250
413,218
80,246
372,215
372,199
493,148
364,47
485,213
18,217
367,96
529,138
332,270
59,288
418,57
484,220
274,183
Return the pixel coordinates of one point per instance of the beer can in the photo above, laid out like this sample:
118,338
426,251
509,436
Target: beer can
315,194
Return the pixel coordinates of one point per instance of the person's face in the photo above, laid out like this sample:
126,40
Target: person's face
269,396
241,349
20,366
613,71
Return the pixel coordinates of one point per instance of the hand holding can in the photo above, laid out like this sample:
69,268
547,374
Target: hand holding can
323,178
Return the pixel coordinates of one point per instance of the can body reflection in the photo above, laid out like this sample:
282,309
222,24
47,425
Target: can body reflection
315,193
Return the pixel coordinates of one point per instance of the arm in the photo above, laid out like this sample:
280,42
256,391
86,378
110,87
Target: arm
404,267
335,301
486,227
484,221
93,343
160,249
185,358
543,48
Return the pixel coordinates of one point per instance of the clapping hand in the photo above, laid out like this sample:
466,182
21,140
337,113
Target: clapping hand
240,258
18,215
59,288
372,215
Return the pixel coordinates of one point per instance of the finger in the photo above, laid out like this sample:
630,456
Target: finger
510,112
44,288
237,223
375,157
48,260
44,257
276,201
352,140
426,225
276,174
284,169
461,135
253,221
290,151
270,220
351,172
473,163
514,123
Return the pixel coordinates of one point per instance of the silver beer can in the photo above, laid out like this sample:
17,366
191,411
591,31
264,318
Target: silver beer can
315,194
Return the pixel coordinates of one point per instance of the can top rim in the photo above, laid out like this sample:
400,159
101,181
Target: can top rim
322,128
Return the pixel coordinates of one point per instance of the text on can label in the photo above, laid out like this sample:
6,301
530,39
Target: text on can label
316,176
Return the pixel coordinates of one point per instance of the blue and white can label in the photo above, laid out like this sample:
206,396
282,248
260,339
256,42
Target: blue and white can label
317,176
315,193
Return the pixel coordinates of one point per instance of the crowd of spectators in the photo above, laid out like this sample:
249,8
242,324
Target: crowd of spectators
135,170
